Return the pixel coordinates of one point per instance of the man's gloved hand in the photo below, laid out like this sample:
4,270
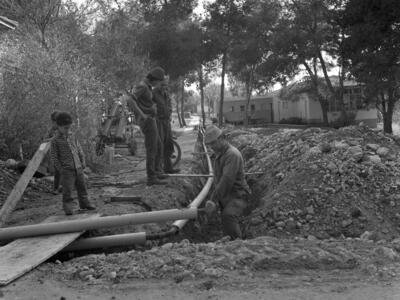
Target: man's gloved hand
210,207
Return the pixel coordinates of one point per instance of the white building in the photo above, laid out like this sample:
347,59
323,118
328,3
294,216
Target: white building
273,108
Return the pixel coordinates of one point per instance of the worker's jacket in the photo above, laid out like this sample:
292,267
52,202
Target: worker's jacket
144,99
230,182
163,102
67,153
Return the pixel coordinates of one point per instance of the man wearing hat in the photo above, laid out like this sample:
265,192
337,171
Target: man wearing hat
164,110
231,190
141,102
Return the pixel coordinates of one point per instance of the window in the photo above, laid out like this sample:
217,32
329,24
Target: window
241,107
253,107
335,106
232,108
358,102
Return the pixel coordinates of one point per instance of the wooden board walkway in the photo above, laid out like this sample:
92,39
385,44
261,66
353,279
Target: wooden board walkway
23,255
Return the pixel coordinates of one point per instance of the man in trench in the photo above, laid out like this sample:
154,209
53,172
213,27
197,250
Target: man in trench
231,189
141,102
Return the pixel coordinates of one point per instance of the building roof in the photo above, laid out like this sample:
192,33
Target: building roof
257,97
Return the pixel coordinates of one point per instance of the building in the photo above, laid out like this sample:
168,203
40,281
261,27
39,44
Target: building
276,107
260,108
306,108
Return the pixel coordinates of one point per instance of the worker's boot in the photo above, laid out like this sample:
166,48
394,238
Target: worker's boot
85,204
68,208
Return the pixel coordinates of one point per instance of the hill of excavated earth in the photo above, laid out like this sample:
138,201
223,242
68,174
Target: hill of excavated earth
322,183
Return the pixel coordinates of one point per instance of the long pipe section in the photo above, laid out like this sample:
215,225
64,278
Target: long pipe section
101,222
117,240
202,195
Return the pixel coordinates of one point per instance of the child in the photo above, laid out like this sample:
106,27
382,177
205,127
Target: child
51,134
69,160
53,130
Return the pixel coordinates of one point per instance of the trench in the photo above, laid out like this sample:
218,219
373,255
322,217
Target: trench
196,231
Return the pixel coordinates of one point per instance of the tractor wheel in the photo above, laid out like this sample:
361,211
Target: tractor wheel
176,157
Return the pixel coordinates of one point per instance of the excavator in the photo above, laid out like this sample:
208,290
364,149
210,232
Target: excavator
120,130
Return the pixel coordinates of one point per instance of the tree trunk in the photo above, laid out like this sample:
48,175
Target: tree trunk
324,107
387,122
43,39
388,113
221,102
179,115
323,102
201,83
249,85
247,113
183,103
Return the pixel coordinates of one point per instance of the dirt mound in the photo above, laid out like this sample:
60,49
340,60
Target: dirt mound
323,183
221,259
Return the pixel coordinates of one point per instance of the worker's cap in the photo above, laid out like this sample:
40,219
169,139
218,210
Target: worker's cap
157,73
212,134
63,118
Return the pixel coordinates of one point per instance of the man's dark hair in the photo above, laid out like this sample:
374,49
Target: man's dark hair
63,118
53,115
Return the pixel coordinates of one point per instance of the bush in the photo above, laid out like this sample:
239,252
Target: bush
344,120
43,81
292,120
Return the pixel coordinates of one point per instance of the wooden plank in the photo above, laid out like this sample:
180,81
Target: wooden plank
23,255
22,183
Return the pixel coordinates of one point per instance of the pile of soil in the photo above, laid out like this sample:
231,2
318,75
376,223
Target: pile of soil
323,182
230,259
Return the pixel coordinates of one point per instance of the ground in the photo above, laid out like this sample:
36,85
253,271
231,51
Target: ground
198,264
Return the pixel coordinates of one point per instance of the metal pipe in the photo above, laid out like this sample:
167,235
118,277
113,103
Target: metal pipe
203,193
86,224
160,235
209,175
117,240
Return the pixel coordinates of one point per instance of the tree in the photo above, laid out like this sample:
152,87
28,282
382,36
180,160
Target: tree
252,44
306,39
116,50
224,21
59,76
372,47
172,40
211,92
40,13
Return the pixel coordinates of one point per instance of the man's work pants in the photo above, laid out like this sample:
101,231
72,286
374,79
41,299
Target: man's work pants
153,147
230,215
164,130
